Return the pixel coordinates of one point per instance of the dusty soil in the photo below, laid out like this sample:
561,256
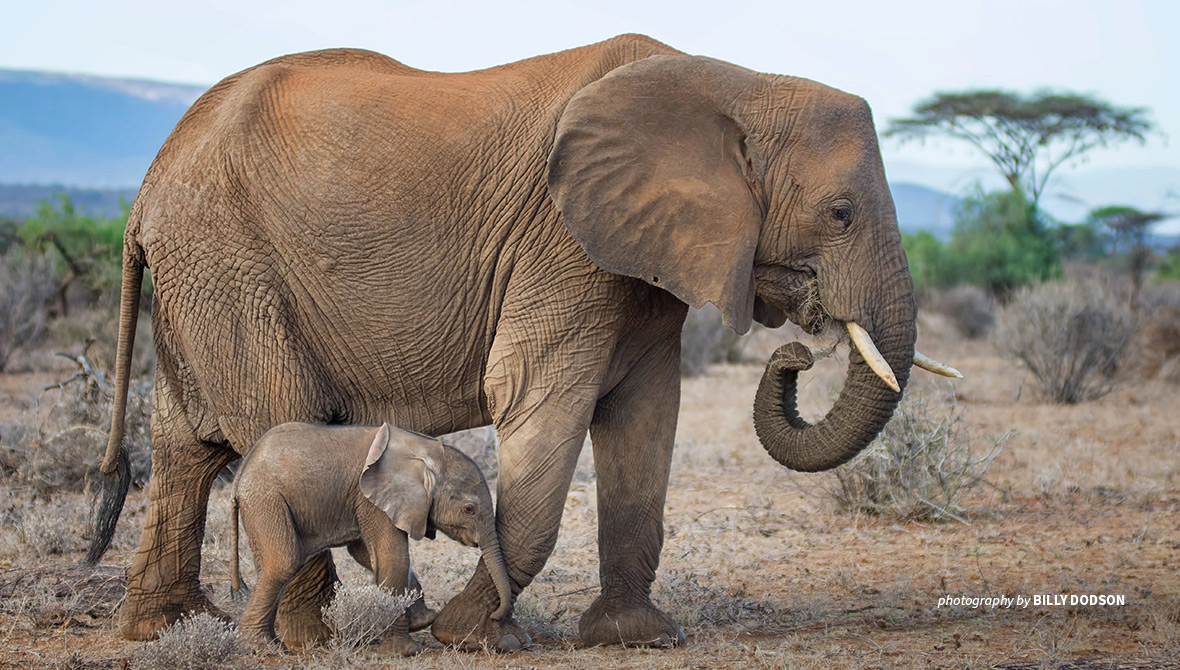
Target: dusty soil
759,565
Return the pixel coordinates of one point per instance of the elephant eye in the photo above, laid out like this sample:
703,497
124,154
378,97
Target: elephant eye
469,509
842,214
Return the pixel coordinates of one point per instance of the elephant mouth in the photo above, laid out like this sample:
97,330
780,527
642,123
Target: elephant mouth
796,294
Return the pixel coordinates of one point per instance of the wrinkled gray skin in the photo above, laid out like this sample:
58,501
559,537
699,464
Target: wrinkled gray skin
339,238
383,486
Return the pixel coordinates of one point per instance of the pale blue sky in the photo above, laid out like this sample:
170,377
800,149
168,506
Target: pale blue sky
892,53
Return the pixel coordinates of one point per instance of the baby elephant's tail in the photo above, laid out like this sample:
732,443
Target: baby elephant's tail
235,576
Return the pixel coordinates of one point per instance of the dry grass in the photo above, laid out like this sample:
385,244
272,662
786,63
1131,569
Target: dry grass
57,444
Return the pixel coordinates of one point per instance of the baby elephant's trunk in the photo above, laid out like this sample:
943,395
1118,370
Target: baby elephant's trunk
489,544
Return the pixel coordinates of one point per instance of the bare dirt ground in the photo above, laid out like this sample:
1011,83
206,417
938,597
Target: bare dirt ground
759,565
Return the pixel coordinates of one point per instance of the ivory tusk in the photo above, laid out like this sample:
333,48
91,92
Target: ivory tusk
864,344
926,363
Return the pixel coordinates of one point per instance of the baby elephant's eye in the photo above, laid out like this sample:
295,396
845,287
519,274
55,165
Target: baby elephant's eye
469,508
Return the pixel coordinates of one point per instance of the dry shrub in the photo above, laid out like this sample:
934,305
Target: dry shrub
918,468
1070,335
360,613
196,642
34,527
42,604
1158,341
100,323
1163,626
702,340
705,340
57,597
27,283
51,528
65,448
968,307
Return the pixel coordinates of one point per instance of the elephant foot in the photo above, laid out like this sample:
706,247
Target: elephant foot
261,640
302,630
466,625
300,618
143,617
402,646
640,625
419,615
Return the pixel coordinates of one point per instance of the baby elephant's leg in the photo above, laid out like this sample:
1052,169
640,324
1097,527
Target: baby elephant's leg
420,615
276,555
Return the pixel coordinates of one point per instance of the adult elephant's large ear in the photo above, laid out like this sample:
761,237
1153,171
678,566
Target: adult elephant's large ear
652,175
401,470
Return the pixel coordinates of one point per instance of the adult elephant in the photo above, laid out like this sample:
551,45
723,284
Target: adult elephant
335,237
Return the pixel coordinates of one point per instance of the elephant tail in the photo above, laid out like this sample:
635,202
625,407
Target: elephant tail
235,576
116,466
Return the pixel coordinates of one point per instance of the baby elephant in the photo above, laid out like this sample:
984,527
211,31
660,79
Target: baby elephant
375,487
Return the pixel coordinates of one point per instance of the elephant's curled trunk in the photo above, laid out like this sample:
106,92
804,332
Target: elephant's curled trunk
864,407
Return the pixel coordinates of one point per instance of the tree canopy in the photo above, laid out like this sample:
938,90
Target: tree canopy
1027,137
1131,224
1126,219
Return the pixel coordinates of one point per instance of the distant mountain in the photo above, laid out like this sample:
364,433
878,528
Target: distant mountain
1072,192
19,201
923,208
84,131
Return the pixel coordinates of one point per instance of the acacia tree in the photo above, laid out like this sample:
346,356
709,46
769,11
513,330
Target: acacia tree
1131,224
1027,137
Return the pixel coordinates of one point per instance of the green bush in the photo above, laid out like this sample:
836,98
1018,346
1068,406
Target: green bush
1082,242
86,249
1000,242
931,263
1169,264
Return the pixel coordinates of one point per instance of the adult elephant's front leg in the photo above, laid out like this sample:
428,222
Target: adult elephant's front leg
537,460
633,433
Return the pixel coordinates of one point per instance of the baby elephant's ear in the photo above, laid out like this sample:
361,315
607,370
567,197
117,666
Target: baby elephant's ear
399,477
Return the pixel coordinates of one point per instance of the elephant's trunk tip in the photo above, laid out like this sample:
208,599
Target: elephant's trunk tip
500,613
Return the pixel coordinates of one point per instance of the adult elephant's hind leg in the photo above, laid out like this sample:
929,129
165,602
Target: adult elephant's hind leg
163,582
300,619
633,433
